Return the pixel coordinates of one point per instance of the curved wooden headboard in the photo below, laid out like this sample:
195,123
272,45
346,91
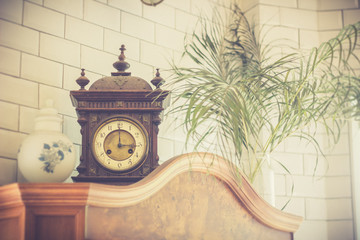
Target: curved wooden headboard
192,196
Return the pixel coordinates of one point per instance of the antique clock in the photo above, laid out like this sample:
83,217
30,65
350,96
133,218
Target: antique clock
119,117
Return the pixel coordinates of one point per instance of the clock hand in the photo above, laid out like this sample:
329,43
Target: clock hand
129,145
119,144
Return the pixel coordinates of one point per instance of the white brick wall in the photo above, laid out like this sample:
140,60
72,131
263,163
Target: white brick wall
9,148
10,61
351,16
44,43
169,37
84,32
142,70
290,17
44,20
71,73
330,20
137,27
184,5
129,6
332,165
184,21
12,10
269,14
62,100
328,209
334,4
41,70
281,3
19,91
323,198
70,7
112,40
101,14
162,14
59,50
13,35
90,60
27,118
154,54
11,111
8,171
309,39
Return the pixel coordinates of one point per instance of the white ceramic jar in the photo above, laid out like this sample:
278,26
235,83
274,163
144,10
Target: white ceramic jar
47,155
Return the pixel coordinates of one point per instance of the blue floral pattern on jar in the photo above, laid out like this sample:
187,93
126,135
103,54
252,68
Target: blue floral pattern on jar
53,154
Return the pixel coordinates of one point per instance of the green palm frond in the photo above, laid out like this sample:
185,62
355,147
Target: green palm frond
236,93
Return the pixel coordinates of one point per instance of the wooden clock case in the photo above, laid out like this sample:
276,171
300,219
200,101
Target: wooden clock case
120,95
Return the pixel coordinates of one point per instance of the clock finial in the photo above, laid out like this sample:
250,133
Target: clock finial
157,80
122,55
121,65
82,81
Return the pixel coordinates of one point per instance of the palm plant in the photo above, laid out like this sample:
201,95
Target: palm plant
244,102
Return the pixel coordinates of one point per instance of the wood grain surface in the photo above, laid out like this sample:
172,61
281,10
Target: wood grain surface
192,205
192,196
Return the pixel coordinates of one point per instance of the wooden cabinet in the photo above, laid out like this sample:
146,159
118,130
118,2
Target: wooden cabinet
12,213
173,202
43,211
54,211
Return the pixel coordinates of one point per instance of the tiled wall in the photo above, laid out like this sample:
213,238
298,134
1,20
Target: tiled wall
44,43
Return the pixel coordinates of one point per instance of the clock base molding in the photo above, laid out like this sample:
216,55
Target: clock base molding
112,180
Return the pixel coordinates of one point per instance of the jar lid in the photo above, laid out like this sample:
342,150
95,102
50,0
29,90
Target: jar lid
48,118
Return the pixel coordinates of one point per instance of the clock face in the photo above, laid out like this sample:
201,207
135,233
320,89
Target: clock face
120,144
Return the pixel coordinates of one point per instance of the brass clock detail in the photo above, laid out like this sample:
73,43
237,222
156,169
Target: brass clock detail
119,117
120,144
